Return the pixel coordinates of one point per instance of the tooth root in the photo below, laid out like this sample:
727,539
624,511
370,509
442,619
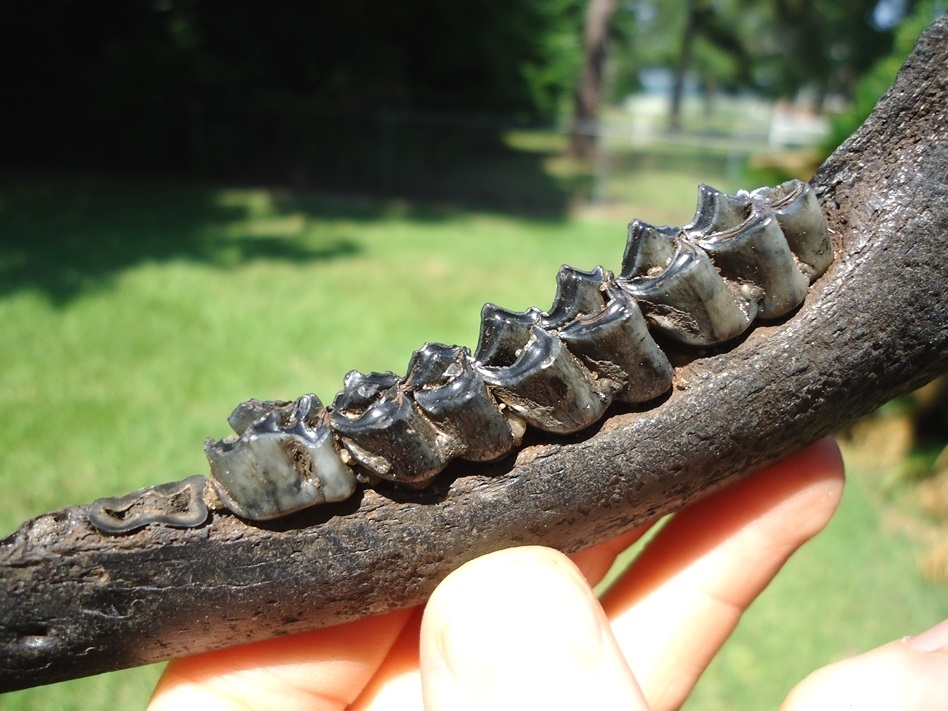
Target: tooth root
616,344
689,301
503,333
754,253
445,386
385,433
802,222
277,467
577,293
547,386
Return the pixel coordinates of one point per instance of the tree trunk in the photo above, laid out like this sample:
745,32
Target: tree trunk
77,602
692,20
589,90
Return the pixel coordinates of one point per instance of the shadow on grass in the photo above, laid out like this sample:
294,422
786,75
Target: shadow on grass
65,237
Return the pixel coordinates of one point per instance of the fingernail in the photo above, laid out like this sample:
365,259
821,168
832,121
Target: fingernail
541,629
930,640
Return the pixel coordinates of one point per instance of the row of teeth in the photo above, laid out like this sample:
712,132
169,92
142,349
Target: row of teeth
743,257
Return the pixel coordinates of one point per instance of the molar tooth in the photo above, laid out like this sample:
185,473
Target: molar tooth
754,252
546,385
577,292
503,332
447,388
285,461
717,211
384,431
685,298
616,344
803,223
648,249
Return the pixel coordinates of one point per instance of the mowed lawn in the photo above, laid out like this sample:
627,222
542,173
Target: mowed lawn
135,315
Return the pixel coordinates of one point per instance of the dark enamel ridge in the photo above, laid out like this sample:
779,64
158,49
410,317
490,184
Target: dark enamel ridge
179,504
743,257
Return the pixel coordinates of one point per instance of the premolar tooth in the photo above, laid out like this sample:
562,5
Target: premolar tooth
616,344
361,390
754,252
381,428
577,292
804,226
447,388
503,332
285,461
249,411
546,385
179,504
684,297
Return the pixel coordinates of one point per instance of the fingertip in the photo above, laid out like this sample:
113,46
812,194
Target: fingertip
324,668
175,692
521,628
811,481
894,676
822,461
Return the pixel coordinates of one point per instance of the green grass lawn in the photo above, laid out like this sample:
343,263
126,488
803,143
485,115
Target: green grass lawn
134,316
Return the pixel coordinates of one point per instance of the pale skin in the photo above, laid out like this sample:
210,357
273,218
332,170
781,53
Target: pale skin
522,629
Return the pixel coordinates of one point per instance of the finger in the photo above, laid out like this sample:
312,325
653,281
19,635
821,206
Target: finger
320,670
396,683
595,562
521,629
681,599
907,675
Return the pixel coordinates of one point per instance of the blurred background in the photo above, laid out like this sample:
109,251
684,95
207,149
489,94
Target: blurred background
200,203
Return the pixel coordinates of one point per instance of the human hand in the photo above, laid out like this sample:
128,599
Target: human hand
521,628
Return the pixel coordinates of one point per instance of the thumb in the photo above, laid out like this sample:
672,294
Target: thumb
910,674
521,629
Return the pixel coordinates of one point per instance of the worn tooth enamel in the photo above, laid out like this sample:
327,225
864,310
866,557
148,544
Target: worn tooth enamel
648,249
447,388
616,344
503,332
804,226
685,297
249,411
754,255
577,293
179,504
282,463
546,385
384,432
360,390
717,211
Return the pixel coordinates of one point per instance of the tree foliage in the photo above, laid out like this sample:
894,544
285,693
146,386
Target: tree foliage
776,47
186,83
873,83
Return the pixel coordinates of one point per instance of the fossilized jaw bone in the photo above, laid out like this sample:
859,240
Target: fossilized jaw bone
747,256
